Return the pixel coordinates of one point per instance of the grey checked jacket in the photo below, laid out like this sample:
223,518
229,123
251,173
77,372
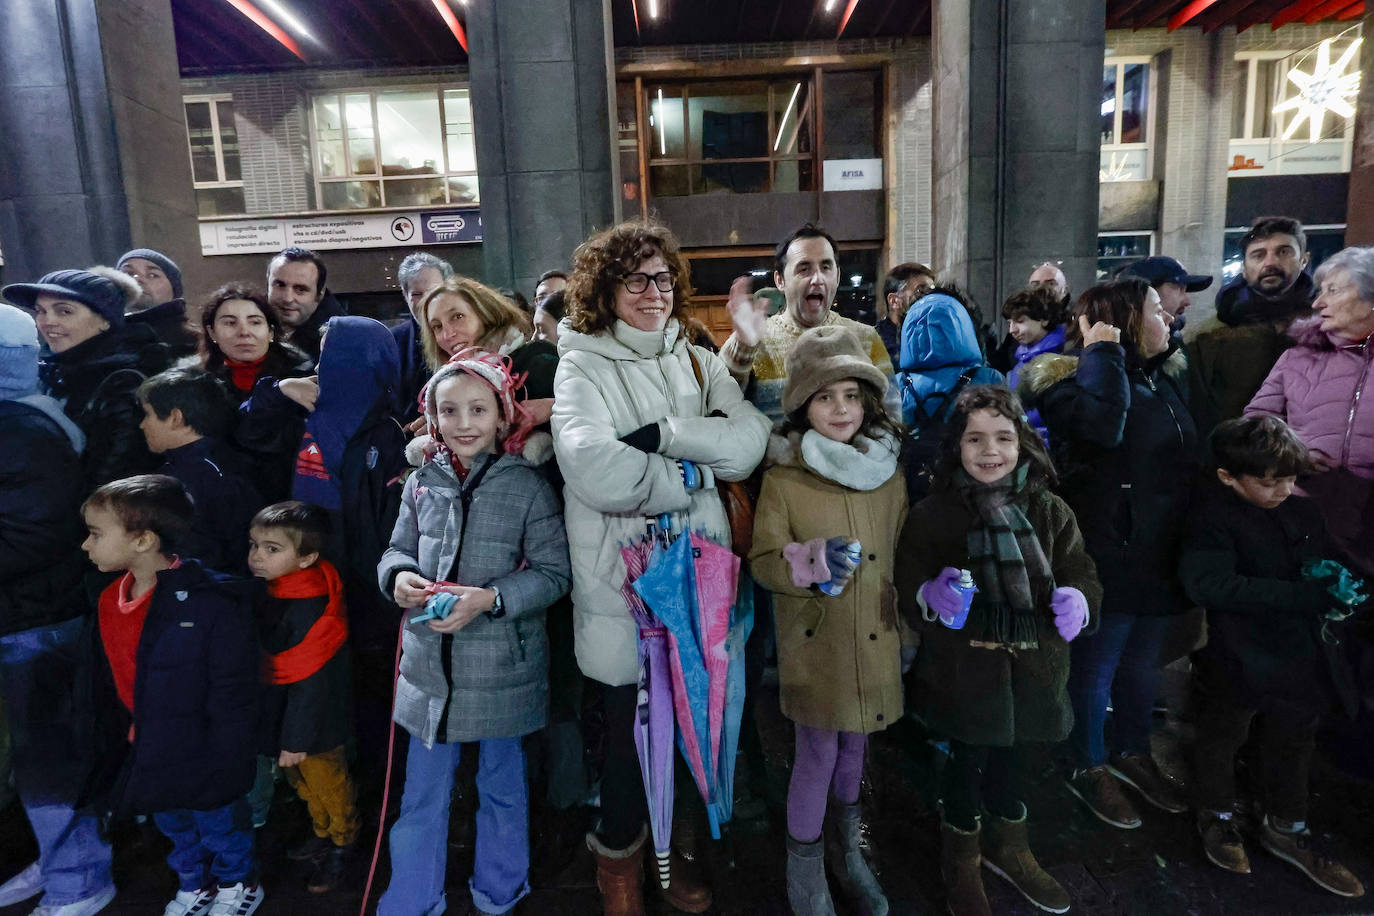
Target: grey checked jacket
513,538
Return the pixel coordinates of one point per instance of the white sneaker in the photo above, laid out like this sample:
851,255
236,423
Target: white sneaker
22,886
236,900
191,903
92,904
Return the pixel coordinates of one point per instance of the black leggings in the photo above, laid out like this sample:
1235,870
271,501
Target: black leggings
623,806
977,777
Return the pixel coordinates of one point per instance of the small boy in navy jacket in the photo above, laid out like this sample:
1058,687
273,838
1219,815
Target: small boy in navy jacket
186,414
183,657
304,629
1270,645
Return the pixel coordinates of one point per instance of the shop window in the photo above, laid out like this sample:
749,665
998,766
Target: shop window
1116,250
216,167
1322,243
1274,129
409,147
730,136
1126,113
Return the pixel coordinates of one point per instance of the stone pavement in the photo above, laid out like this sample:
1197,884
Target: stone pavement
1158,870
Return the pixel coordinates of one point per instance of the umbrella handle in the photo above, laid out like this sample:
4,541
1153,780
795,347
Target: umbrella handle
663,875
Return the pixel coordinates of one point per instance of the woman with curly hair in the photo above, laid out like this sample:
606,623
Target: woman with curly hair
644,423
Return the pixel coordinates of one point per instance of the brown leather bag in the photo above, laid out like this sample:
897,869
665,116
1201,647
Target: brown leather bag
737,496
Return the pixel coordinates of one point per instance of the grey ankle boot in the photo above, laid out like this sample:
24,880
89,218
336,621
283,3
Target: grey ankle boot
807,892
846,860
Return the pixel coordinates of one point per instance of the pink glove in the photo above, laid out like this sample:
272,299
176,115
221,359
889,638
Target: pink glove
1070,612
940,595
808,562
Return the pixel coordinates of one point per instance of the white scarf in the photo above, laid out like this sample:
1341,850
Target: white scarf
864,464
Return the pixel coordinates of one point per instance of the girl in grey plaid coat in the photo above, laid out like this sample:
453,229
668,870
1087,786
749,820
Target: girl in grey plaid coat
480,530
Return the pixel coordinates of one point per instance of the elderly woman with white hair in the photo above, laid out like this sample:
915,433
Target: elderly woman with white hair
1322,388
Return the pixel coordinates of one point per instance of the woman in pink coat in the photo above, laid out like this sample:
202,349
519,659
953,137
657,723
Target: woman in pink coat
1323,388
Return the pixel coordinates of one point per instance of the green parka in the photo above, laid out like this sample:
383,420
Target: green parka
973,692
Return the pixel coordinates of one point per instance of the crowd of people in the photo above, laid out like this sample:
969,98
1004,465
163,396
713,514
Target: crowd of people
214,528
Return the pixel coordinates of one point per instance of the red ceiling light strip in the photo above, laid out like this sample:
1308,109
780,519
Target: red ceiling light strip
1354,11
844,20
1294,12
634,8
259,19
1188,13
1329,8
452,22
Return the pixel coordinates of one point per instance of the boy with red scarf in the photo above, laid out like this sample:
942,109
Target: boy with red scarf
304,629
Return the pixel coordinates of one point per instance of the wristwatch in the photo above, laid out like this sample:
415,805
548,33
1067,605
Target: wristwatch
498,606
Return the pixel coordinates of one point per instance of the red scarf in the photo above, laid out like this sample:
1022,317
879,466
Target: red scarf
324,638
244,375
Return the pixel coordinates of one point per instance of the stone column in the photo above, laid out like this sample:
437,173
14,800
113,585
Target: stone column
1018,87
95,158
1359,215
541,79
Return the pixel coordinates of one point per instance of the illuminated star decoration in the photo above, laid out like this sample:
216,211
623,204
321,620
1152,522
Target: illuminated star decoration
1326,88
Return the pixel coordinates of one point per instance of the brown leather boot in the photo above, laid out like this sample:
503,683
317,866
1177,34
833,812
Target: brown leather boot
959,858
620,876
687,889
1007,854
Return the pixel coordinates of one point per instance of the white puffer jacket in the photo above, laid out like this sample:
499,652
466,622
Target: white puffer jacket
611,384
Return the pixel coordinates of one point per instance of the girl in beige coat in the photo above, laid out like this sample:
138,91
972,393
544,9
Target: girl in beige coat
824,535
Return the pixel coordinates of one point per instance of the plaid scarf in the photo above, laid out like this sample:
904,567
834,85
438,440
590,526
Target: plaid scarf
1009,564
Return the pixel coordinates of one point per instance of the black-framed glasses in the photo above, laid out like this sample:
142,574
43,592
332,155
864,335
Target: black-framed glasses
638,282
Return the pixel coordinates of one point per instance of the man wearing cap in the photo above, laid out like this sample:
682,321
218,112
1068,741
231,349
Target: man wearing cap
161,305
1173,284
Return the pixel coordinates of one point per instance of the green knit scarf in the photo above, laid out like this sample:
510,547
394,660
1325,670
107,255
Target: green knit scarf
1010,567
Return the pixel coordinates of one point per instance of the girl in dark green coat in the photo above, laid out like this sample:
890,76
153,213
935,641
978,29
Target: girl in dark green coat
999,678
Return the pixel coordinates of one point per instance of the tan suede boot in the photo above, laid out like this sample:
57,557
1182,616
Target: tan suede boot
1006,853
620,876
959,858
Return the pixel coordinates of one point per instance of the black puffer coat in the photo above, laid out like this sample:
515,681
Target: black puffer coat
96,381
1128,458
168,322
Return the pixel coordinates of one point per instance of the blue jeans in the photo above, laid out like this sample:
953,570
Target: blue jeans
1118,664
216,843
38,669
419,838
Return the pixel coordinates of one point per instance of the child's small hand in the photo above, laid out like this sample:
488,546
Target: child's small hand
290,758
941,596
471,602
411,590
1070,612
807,562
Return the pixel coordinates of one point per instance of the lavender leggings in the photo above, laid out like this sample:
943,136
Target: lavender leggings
826,762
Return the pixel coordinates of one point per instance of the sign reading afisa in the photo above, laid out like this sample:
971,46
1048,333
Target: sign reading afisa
336,231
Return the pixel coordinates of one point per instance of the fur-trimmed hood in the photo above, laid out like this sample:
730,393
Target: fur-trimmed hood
1045,371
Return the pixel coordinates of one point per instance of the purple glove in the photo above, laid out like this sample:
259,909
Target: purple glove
1070,612
940,595
808,562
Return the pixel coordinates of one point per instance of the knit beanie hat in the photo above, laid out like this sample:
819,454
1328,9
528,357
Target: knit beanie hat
18,353
823,355
168,266
103,290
